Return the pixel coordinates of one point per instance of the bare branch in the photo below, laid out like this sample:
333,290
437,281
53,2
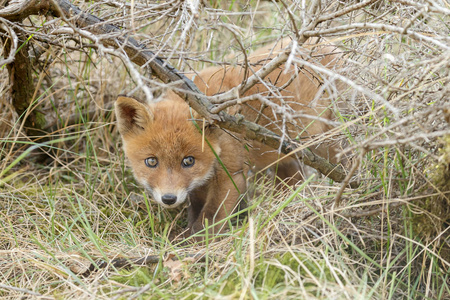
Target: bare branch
21,290
434,7
350,83
344,11
276,62
20,9
383,27
14,42
186,88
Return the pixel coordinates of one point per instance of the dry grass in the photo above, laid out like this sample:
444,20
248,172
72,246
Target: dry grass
80,204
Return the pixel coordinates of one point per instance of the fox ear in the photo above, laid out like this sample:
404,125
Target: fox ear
132,116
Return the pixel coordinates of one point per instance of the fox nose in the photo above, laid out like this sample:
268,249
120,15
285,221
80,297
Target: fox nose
169,199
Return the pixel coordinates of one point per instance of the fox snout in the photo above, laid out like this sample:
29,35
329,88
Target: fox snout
169,199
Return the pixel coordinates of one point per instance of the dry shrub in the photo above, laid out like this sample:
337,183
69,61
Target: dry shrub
83,204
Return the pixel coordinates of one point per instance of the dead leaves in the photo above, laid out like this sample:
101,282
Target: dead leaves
178,268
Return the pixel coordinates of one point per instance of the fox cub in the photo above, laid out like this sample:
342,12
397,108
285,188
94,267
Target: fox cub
165,146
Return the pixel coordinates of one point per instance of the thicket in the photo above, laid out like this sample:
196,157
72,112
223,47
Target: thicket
67,198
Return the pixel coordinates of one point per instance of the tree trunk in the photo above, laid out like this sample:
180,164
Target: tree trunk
22,90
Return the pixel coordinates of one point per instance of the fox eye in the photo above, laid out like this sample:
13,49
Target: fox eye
151,162
188,162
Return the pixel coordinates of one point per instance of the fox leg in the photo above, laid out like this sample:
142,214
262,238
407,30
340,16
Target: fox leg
197,201
222,198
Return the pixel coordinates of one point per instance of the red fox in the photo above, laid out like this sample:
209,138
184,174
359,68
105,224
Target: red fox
164,146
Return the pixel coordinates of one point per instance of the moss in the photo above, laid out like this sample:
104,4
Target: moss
270,276
137,277
40,120
429,226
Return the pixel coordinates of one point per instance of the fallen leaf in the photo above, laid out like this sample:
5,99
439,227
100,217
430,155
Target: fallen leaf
177,268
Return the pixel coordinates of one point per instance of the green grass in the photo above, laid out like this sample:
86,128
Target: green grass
294,249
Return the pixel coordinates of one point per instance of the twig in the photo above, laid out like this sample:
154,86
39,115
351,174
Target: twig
241,89
371,212
349,82
74,119
245,62
8,287
355,166
346,10
14,42
383,27
127,263
430,6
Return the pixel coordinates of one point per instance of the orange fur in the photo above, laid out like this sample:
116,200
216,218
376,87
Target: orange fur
164,132
302,95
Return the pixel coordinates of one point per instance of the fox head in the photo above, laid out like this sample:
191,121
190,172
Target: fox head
164,147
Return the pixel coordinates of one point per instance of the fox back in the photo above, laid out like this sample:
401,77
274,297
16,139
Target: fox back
299,106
